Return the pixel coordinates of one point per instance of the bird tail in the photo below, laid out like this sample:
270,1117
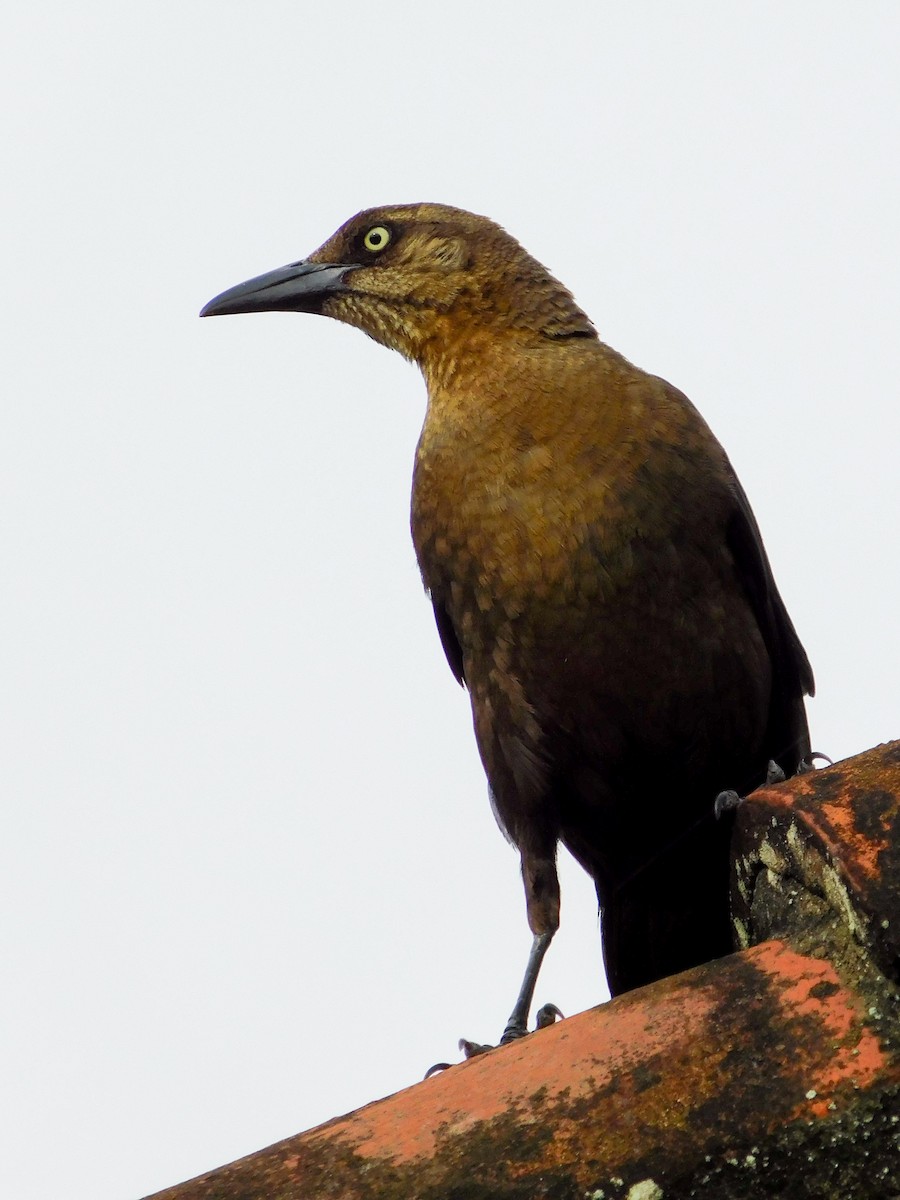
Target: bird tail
671,913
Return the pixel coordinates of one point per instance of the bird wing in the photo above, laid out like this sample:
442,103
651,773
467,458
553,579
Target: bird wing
449,640
792,676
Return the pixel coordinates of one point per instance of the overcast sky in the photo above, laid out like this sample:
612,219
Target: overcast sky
249,877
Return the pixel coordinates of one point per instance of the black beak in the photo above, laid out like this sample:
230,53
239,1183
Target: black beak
299,287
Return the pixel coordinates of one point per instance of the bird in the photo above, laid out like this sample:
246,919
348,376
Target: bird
598,579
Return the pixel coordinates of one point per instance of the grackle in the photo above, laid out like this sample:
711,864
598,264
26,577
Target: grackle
598,579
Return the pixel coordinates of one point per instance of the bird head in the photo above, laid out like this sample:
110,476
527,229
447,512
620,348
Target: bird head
417,278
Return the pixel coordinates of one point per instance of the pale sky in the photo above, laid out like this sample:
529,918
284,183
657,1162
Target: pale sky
250,876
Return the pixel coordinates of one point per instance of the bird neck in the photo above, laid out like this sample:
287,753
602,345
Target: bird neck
496,397
487,357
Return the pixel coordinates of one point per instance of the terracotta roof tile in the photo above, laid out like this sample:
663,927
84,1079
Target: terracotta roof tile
772,1072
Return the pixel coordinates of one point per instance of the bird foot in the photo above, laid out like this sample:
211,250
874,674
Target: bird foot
727,802
548,1014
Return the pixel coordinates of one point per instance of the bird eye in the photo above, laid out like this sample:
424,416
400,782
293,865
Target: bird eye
377,239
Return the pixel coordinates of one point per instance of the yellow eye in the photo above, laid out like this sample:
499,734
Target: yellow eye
377,239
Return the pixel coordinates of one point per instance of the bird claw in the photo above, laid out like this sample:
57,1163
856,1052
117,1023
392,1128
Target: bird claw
774,773
437,1067
809,764
547,1015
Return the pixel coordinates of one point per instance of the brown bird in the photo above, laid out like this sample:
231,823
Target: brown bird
598,579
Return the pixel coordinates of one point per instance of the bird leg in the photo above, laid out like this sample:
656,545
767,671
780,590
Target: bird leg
542,901
517,1025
